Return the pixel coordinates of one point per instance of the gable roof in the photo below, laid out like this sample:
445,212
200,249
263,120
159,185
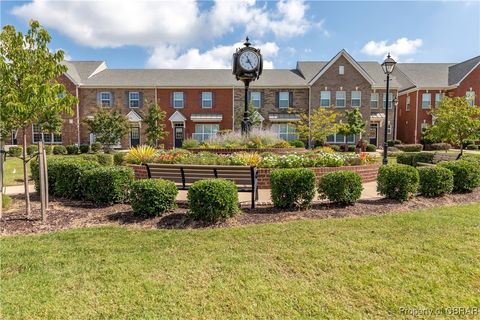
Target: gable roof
352,61
80,71
459,71
426,75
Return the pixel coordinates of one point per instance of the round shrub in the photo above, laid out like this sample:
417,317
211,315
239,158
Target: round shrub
438,146
84,148
119,158
96,147
292,187
297,144
397,181
371,148
472,147
15,151
32,149
72,149
395,142
105,159
412,158
390,143
344,187
466,174
6,201
152,197
59,150
212,200
48,149
107,185
435,181
67,177
281,144
410,147
190,143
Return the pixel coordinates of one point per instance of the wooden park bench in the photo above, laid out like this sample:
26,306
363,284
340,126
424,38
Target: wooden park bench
439,157
184,175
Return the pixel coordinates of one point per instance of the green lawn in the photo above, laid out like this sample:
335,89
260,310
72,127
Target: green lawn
12,165
346,268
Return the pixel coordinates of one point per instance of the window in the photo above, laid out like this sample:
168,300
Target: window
356,98
389,128
178,100
340,97
205,131
470,96
390,98
407,105
374,100
256,99
106,99
207,100
134,99
285,131
341,70
47,137
426,100
438,99
340,138
424,126
283,99
325,99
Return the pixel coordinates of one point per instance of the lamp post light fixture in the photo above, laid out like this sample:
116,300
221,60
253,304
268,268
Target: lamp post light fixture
247,66
388,65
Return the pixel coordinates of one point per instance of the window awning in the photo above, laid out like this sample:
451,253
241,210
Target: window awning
283,117
206,117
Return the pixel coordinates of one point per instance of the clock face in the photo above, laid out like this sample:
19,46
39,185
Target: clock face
248,60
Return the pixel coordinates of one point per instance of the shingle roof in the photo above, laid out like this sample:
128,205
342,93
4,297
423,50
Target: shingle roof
79,71
458,71
426,75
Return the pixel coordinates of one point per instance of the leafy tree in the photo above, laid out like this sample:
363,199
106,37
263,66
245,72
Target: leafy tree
354,124
321,125
456,122
30,92
109,127
154,119
253,115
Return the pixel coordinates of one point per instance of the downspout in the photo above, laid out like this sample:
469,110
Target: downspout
233,107
416,116
309,116
78,115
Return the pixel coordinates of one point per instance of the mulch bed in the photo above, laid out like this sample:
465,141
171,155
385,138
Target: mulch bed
65,214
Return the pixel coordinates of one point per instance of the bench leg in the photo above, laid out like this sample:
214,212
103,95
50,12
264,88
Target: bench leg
253,199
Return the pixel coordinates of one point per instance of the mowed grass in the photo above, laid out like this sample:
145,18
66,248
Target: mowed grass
13,171
348,268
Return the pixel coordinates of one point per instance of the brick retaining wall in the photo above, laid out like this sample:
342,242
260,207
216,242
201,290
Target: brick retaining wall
139,170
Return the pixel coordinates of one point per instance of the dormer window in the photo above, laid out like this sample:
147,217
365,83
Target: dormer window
341,70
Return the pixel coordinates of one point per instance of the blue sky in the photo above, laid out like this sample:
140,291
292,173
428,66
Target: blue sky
189,34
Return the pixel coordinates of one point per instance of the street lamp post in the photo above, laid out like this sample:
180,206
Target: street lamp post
388,65
395,110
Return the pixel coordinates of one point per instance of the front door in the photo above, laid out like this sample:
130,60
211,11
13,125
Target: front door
134,136
373,134
178,135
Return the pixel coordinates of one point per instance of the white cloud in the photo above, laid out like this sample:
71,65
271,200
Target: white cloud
220,57
401,47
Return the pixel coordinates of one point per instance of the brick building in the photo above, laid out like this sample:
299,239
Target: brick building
201,102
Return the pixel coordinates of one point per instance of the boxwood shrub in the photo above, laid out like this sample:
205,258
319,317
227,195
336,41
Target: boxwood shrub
48,149
371,148
466,174
68,174
84,148
72,149
59,150
412,158
435,181
105,159
119,158
96,147
344,187
297,144
15,151
152,197
212,200
438,146
397,181
106,185
32,149
292,187
472,147
410,147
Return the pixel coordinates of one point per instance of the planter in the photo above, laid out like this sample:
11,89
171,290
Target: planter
259,150
139,170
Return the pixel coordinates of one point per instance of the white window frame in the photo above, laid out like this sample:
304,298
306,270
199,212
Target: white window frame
106,102
390,99
204,100
429,101
323,97
470,96
359,99
280,99
423,126
389,128
438,98
175,99
341,70
374,94
201,134
343,141
256,96
133,100
407,103
285,131
49,138
337,93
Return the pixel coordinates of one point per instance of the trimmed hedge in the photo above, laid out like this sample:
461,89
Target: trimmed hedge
212,200
152,197
119,158
397,181
412,158
15,151
344,187
435,181
438,146
297,144
72,149
472,147
84,148
48,149
106,185
466,174
371,148
410,147
59,150
89,157
105,159
96,147
32,149
292,187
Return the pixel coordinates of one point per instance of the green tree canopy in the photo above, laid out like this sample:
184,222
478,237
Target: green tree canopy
353,124
321,125
154,120
108,126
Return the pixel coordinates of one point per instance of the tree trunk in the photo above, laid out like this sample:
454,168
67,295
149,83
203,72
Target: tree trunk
25,174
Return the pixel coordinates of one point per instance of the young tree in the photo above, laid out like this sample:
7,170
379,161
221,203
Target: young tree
30,92
322,124
253,115
109,127
456,121
154,119
354,124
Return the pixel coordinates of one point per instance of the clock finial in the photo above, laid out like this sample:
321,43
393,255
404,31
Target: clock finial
247,43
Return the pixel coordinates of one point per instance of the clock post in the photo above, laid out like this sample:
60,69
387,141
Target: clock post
247,66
